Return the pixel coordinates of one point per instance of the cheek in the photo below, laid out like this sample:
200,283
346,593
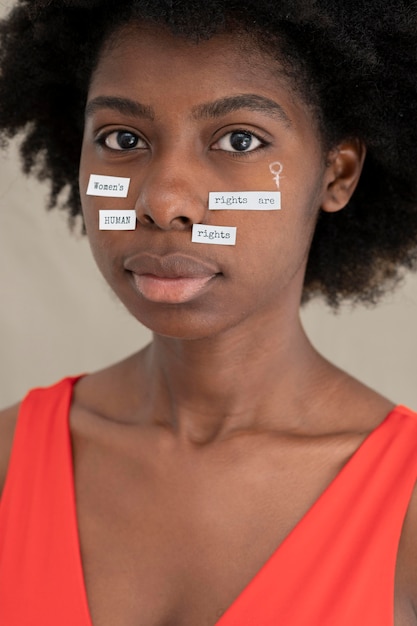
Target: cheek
85,170
88,203
273,245
90,211
103,244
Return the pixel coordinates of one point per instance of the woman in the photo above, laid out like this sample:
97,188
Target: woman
235,158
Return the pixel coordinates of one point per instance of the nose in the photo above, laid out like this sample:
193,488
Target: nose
170,198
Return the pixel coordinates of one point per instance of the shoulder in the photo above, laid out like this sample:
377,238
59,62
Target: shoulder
116,393
34,404
8,419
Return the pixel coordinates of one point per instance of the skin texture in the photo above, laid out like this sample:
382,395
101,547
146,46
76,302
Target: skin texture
205,429
172,178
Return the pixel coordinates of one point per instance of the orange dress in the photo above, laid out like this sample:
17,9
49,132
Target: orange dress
336,567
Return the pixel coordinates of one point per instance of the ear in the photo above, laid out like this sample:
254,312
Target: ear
343,169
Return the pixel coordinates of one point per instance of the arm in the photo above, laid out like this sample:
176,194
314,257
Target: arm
406,574
8,418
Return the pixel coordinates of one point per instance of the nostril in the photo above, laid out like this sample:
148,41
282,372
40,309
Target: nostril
180,220
146,219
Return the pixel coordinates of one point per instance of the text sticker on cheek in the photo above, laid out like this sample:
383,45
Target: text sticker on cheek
117,219
108,186
245,200
220,235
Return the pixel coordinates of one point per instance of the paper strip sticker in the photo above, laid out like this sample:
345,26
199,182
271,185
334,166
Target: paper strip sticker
245,200
108,186
220,235
117,219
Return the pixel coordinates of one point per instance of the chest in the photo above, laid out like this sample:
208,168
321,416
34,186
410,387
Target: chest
166,554
168,542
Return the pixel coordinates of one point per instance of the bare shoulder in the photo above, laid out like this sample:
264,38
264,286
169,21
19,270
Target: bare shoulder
115,392
8,419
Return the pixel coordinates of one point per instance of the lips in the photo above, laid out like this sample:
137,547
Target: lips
172,278
170,266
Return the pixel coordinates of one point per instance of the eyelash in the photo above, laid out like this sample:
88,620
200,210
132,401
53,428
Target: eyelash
102,138
264,143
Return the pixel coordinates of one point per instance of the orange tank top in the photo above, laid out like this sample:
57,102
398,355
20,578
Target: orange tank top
336,567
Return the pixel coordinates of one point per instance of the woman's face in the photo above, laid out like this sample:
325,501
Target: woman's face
181,120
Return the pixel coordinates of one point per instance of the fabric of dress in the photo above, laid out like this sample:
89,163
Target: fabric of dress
336,567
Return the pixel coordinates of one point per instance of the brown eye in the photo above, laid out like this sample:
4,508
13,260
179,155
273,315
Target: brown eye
123,140
238,141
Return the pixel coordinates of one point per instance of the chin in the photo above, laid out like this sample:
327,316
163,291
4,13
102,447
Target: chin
171,322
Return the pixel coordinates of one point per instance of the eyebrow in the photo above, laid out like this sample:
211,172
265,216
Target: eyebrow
121,105
208,110
249,101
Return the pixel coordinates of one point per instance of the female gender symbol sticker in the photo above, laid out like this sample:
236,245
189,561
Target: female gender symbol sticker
276,168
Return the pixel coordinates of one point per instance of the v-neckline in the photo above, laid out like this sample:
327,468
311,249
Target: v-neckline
228,613
327,492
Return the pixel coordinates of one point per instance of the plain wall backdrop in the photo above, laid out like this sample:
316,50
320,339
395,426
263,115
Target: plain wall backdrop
58,317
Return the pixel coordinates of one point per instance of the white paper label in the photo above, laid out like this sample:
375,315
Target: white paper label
245,200
108,186
117,219
220,235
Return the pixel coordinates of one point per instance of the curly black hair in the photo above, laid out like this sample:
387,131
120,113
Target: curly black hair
354,61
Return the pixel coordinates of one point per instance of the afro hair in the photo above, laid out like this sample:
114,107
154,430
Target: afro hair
354,61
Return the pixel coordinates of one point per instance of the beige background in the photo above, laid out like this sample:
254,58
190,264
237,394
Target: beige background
57,316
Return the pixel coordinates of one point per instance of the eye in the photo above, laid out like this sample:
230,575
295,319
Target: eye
122,140
238,141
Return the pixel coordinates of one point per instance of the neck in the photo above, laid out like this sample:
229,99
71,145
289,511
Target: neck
238,381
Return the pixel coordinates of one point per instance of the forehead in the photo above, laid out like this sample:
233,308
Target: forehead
154,56
168,73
